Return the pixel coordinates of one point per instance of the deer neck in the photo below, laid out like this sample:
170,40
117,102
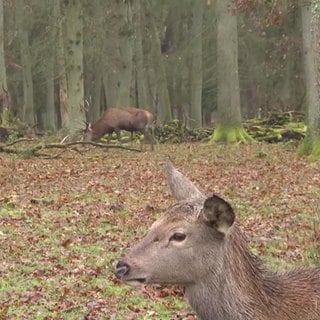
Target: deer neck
235,289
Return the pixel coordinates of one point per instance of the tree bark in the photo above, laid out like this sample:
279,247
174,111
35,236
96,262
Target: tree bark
28,114
3,74
125,69
61,70
49,113
95,109
196,74
4,109
159,77
74,64
140,68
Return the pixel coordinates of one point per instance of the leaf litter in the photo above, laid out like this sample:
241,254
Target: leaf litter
63,223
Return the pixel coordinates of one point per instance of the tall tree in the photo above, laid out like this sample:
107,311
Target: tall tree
140,67
60,67
49,114
229,127
4,109
159,78
125,47
74,63
196,73
310,12
116,61
28,114
176,66
49,121
3,74
94,37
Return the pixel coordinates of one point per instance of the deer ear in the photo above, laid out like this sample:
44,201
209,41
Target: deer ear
180,186
218,213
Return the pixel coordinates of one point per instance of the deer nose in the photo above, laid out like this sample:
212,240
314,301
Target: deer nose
121,270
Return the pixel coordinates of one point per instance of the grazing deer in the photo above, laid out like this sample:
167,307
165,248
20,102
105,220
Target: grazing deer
124,118
198,245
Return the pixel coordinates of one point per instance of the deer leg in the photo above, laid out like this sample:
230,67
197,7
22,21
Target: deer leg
148,134
109,137
117,131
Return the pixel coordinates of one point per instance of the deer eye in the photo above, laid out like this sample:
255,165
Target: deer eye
178,236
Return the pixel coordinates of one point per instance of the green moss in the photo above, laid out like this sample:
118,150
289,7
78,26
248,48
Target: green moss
315,153
310,146
230,134
304,147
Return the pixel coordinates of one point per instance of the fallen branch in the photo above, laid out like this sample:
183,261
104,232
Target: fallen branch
34,151
19,140
101,145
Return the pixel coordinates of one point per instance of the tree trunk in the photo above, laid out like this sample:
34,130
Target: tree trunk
61,70
110,86
229,127
74,64
159,79
141,79
287,92
4,109
95,108
96,63
3,75
311,36
124,72
28,114
196,74
28,110
49,113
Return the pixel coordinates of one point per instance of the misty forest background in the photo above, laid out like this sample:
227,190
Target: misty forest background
207,63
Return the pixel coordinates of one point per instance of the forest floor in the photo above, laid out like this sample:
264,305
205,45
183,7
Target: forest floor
64,222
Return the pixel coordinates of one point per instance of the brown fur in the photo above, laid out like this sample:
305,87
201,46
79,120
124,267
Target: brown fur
223,280
123,118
